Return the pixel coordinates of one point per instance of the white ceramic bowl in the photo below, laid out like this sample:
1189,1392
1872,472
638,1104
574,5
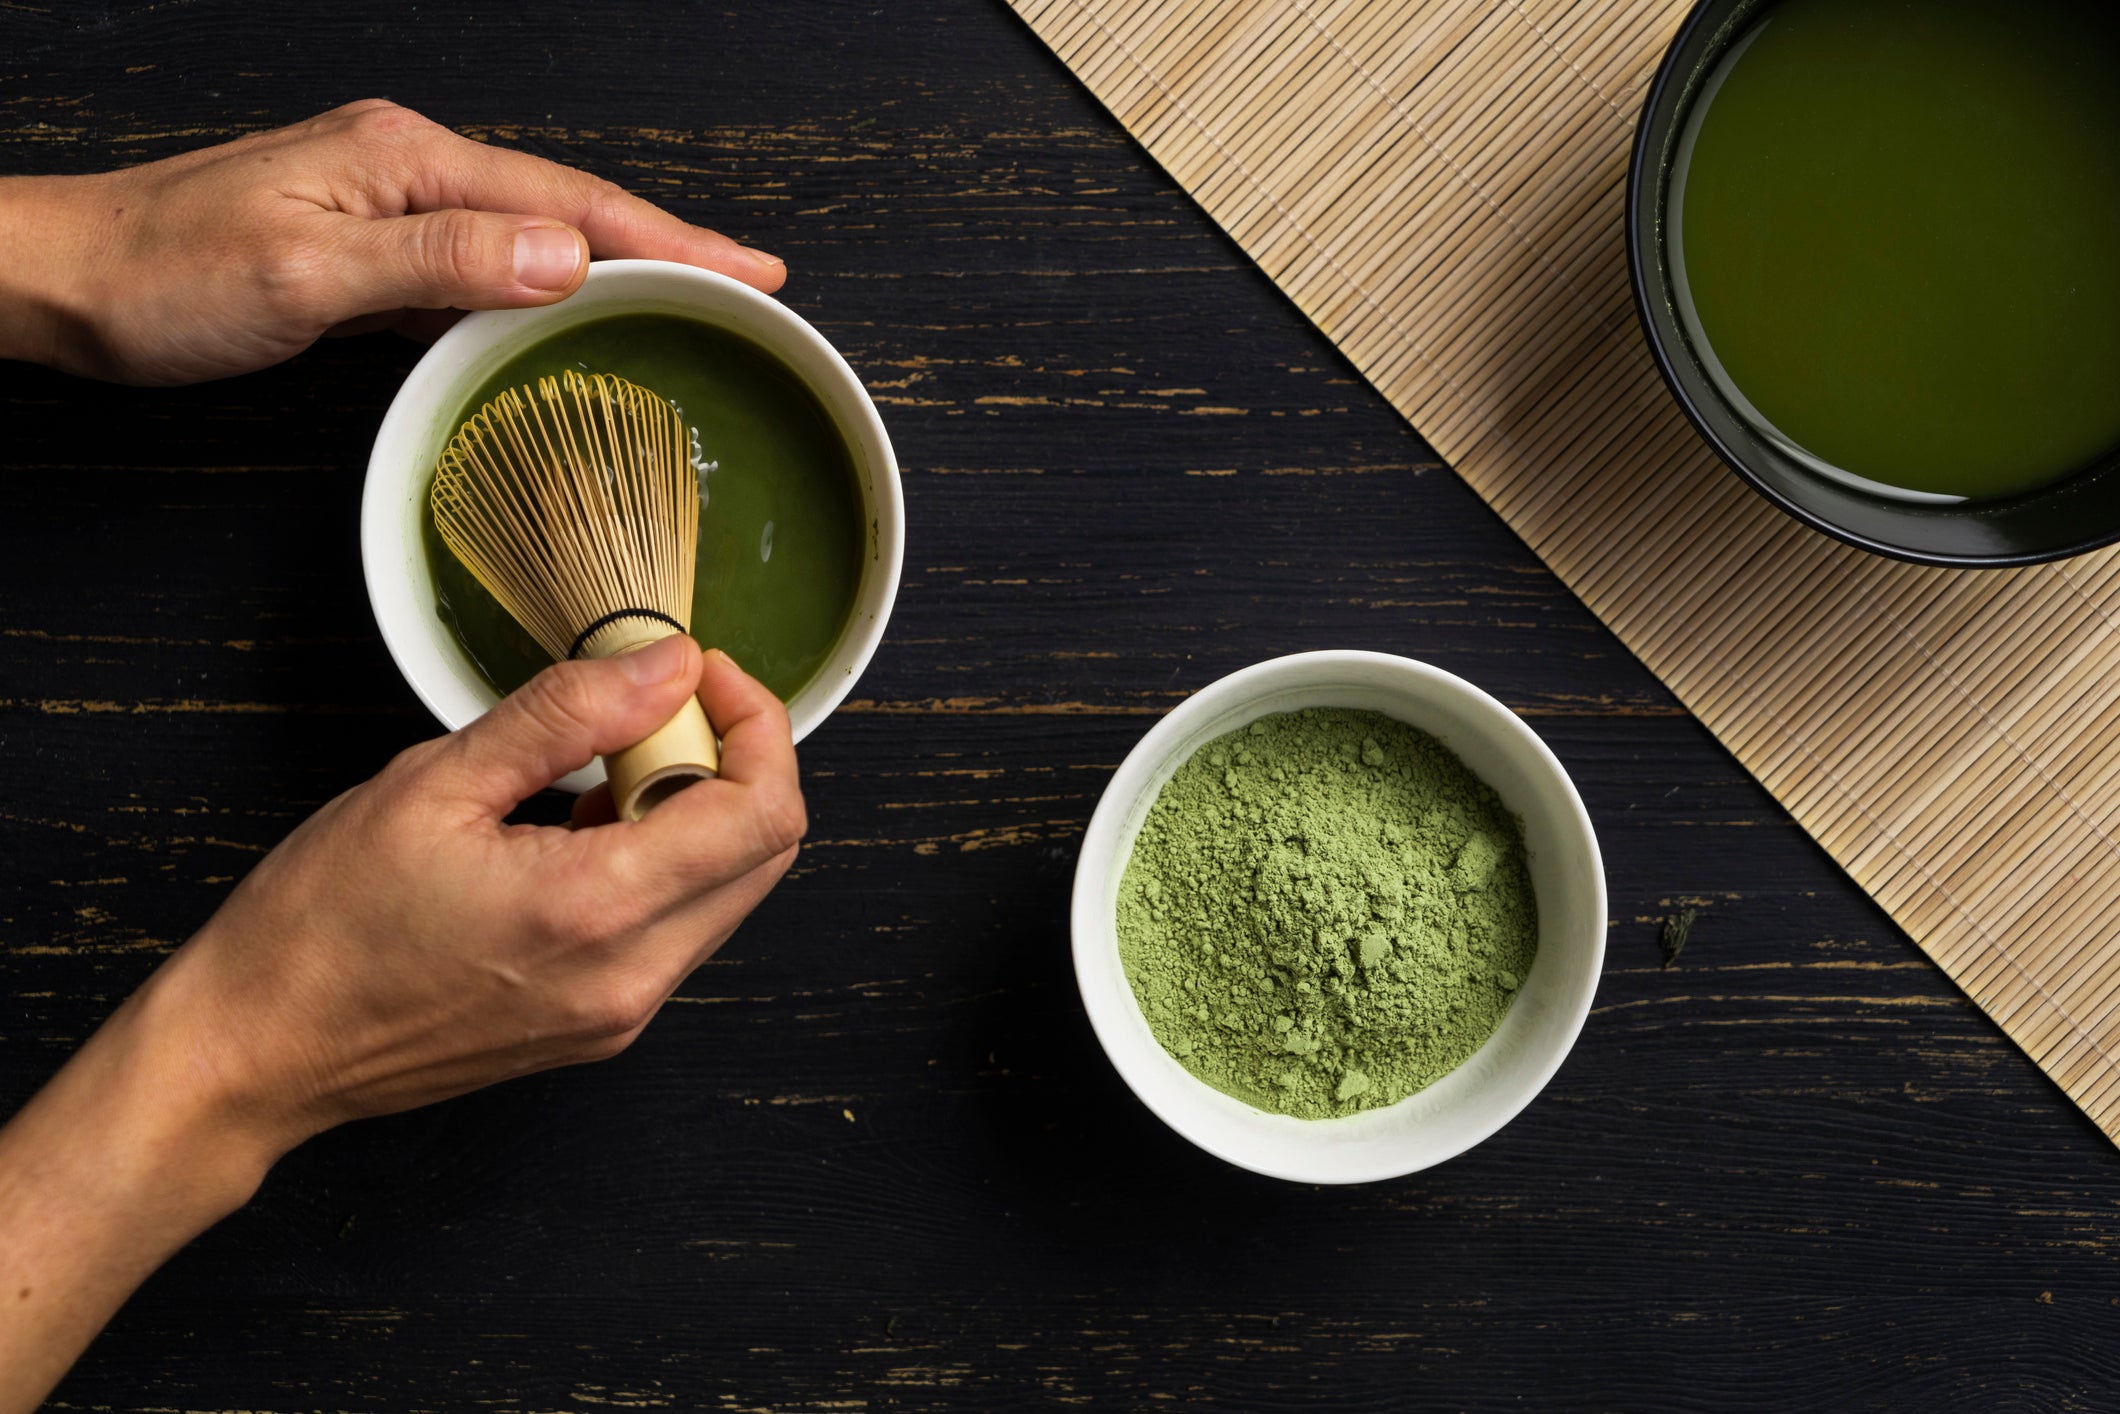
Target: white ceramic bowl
421,421
1477,1098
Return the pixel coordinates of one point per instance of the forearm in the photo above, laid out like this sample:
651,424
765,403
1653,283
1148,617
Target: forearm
45,246
130,1152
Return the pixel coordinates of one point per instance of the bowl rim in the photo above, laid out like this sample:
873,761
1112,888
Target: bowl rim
439,685
1098,858
1643,168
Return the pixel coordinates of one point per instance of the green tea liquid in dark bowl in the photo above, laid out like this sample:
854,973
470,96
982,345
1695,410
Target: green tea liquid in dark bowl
1894,229
782,535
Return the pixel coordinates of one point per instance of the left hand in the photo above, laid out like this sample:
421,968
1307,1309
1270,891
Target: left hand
233,258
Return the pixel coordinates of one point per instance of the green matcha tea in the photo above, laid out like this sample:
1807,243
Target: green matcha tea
782,538
1895,234
1326,911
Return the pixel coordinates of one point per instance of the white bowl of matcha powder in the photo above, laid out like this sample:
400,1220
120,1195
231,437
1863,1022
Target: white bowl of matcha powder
1339,917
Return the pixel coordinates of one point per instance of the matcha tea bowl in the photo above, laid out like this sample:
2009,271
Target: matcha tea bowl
1338,917
1875,250
801,518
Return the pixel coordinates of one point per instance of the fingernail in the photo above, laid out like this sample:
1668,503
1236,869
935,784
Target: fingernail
721,654
762,257
658,662
546,257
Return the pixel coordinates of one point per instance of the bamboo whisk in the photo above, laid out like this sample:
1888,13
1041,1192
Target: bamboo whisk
575,503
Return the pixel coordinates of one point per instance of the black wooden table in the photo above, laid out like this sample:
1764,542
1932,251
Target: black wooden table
872,1158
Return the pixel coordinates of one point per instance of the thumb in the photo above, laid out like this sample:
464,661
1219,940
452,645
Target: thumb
561,718
457,259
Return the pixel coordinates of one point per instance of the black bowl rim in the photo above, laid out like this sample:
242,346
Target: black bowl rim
1637,242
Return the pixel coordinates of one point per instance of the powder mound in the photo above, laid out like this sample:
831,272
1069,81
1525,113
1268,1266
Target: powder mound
1325,911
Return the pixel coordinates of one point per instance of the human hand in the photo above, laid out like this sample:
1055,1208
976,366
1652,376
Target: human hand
403,945
235,257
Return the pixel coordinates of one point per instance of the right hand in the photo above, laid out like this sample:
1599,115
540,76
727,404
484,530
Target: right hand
404,944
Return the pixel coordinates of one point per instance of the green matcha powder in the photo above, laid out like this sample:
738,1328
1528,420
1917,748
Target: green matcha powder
1324,912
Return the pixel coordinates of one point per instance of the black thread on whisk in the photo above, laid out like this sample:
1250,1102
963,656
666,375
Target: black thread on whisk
613,617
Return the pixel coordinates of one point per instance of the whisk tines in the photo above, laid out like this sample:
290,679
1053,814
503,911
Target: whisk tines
575,502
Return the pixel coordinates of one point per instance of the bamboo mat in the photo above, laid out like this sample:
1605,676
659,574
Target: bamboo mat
1438,185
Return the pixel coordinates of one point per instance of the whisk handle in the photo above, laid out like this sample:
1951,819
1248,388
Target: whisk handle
679,753
676,754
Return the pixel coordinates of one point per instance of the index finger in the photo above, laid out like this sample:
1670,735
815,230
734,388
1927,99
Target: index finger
757,742
454,171
724,828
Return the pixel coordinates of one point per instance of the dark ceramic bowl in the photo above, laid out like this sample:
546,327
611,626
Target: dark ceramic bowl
2067,518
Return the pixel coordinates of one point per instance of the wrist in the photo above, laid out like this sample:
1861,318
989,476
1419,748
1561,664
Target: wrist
183,1095
46,253
166,1130
115,1164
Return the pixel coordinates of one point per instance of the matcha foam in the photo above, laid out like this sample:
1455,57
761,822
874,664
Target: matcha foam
1325,911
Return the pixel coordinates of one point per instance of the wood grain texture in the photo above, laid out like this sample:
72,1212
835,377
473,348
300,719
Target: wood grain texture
871,1159
1438,185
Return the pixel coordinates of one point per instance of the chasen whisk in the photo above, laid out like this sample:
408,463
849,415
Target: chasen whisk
575,502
